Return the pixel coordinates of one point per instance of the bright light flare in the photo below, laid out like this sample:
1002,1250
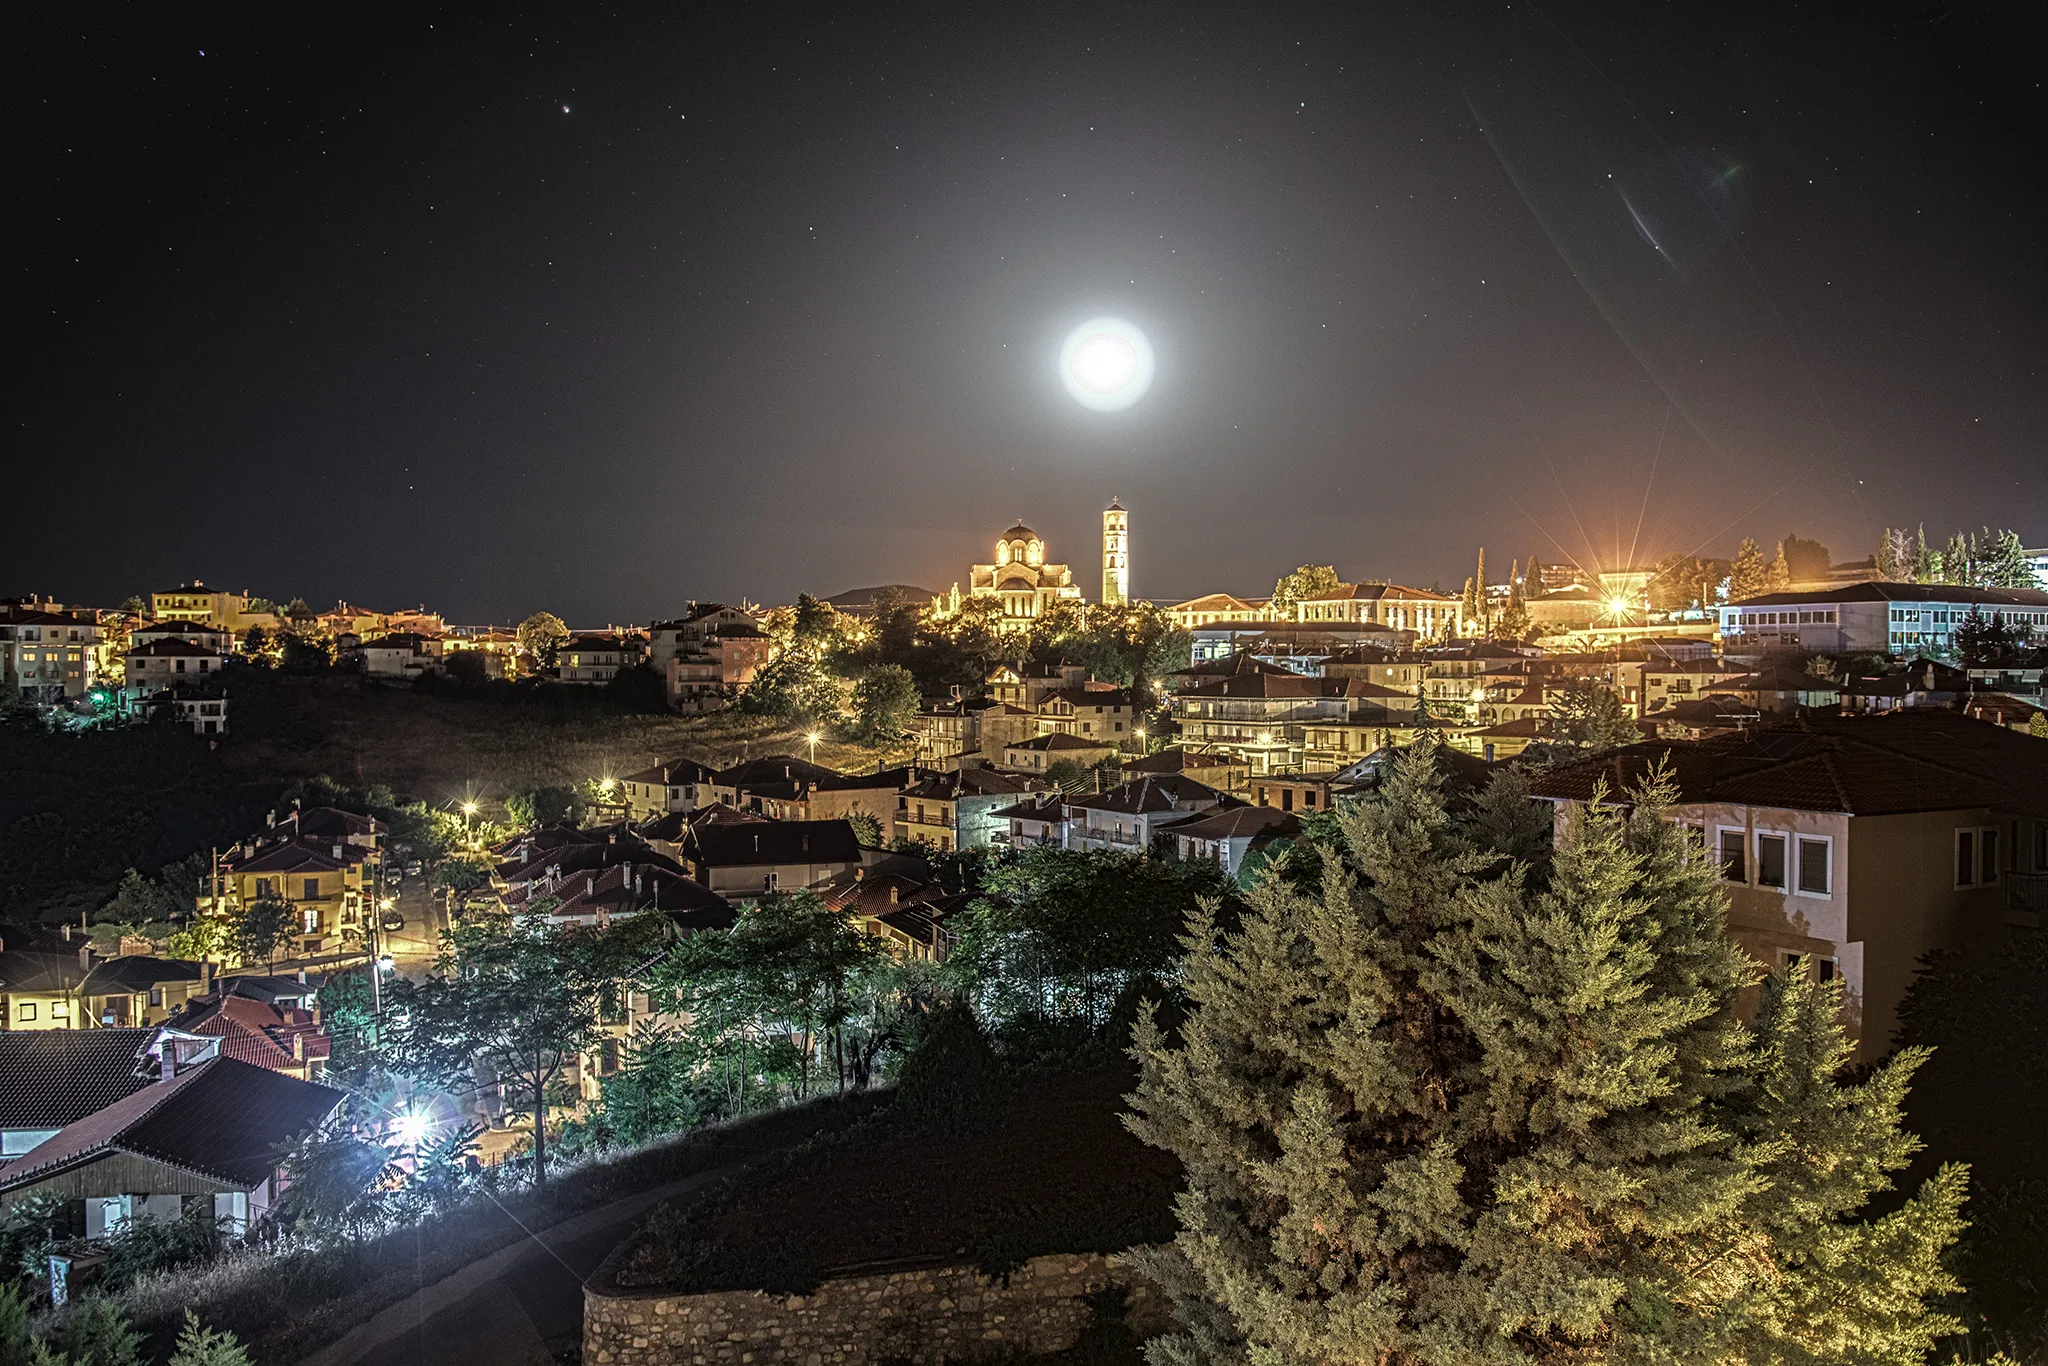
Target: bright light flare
1620,607
411,1126
1106,364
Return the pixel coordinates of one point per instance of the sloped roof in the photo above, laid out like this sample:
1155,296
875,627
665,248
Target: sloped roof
774,768
571,859
1915,759
36,970
1237,822
1036,806
221,1119
126,976
971,782
1880,590
674,772
653,888
1053,743
302,856
53,1077
772,842
1153,792
251,1031
1373,592
1213,602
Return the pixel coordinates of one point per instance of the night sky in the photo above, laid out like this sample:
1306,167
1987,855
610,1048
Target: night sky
600,310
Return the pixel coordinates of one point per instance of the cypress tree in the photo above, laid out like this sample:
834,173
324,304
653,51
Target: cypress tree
1445,1111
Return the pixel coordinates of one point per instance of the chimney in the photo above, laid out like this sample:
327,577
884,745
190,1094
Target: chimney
302,977
166,1060
590,885
298,1046
895,895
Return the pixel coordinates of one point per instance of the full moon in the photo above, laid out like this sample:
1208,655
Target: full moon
1106,364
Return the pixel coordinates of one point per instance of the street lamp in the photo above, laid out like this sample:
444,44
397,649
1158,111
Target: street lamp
812,737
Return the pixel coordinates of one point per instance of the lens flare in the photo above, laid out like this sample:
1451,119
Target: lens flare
1106,364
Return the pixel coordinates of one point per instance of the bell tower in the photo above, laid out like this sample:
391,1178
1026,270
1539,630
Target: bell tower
1116,555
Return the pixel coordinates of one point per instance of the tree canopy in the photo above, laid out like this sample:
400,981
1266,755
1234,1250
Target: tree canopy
1435,1112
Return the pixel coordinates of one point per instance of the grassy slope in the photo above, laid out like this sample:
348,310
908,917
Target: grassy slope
441,747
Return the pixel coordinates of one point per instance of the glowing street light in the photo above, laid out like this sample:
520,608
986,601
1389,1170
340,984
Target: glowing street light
813,738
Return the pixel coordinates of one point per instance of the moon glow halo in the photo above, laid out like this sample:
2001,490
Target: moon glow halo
1106,364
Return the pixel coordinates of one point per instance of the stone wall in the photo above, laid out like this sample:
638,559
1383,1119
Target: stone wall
925,1317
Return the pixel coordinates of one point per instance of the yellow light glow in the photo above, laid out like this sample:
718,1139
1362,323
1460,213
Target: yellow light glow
469,808
1619,606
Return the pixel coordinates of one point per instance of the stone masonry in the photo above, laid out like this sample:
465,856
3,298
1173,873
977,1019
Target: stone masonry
923,1317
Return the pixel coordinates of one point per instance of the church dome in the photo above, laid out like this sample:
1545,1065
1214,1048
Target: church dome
1020,532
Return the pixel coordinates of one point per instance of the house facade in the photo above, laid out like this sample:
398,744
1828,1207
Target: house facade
1860,843
48,656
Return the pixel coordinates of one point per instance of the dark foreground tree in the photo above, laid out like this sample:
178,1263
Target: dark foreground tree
1431,1115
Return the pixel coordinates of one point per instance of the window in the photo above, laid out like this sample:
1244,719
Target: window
156,996
1813,867
1966,858
1987,851
1731,856
1770,861
768,881
1823,969
263,889
27,1011
310,920
312,889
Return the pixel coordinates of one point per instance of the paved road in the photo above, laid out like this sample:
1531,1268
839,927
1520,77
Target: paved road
520,1306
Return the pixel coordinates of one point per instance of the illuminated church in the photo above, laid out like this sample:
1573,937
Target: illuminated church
1021,578
1028,586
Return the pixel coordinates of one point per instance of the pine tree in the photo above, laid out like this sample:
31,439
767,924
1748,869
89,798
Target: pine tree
1926,563
1959,561
1514,621
1534,578
1443,1111
1485,603
1780,574
1468,609
1751,575
2005,562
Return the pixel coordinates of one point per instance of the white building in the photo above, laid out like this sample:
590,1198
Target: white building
1874,618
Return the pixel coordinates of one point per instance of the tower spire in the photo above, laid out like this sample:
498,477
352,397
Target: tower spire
1116,555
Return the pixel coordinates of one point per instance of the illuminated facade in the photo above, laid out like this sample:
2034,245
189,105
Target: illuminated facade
1116,555
1021,579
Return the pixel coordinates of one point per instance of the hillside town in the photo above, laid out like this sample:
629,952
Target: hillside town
1859,749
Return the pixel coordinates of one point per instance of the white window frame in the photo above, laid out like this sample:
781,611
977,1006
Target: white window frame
1784,864
1721,863
1827,842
